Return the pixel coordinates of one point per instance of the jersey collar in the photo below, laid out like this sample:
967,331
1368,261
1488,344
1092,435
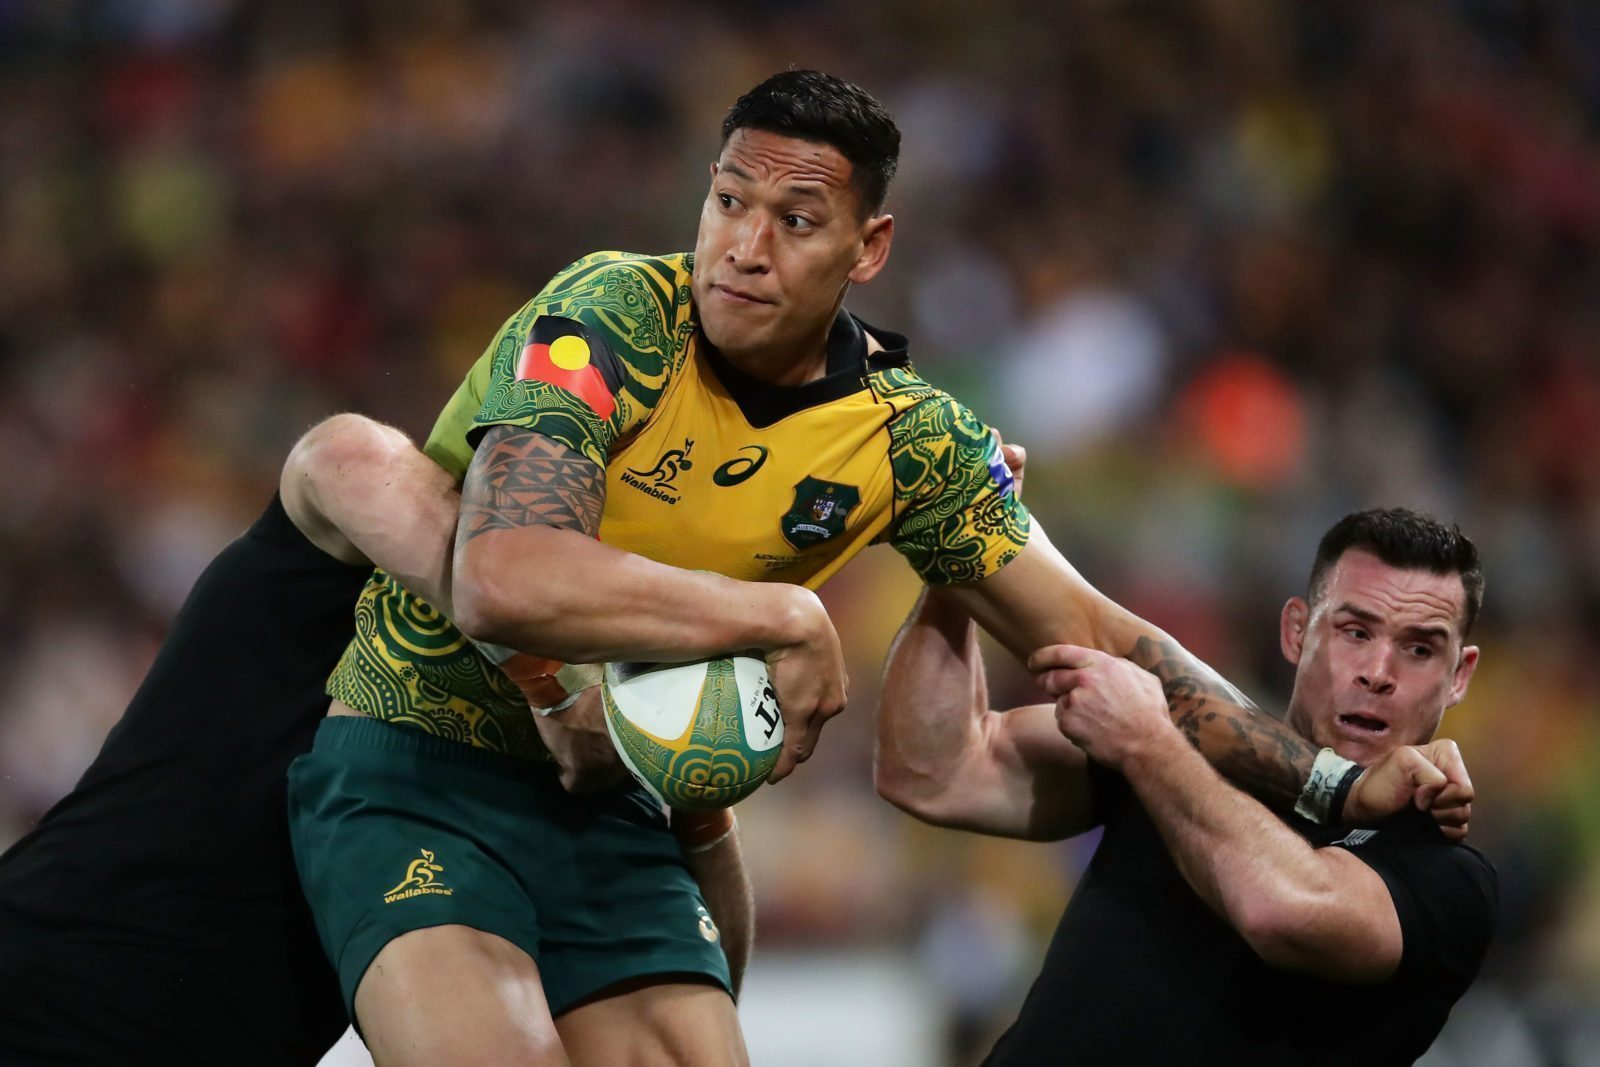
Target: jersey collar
763,403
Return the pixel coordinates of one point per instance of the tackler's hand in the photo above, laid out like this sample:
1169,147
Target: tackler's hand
1407,775
1452,805
577,738
1016,458
1109,707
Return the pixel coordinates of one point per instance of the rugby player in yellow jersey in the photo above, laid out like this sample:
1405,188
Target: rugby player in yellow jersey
641,421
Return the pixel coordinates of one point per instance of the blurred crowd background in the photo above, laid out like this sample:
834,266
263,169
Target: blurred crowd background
1229,268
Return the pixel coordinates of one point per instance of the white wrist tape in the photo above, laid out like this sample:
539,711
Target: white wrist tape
707,846
574,678
1322,788
496,654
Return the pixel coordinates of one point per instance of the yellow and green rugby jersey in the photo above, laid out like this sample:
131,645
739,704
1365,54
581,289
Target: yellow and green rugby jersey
706,468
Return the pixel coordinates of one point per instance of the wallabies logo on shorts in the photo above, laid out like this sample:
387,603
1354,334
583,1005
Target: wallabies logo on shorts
421,877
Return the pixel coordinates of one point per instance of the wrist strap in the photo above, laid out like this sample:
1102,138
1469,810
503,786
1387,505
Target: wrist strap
1342,791
548,685
702,831
496,654
1323,797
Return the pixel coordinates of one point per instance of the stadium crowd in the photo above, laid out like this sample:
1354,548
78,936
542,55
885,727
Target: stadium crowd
1229,270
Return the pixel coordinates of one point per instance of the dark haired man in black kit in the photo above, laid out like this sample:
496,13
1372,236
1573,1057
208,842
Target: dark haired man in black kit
1262,940
151,915
154,915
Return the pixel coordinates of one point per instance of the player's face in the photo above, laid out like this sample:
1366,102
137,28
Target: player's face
1378,657
782,235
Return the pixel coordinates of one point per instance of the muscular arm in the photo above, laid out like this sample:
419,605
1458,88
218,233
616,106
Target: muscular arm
725,883
945,757
1320,911
1039,599
529,574
361,492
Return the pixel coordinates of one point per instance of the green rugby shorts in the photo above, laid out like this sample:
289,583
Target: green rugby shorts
397,830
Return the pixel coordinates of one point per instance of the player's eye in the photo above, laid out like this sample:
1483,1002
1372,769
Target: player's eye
797,223
726,200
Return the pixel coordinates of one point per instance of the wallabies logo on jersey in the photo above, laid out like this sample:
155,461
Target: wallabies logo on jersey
658,480
819,512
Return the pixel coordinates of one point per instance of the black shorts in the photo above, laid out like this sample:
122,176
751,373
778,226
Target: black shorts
154,915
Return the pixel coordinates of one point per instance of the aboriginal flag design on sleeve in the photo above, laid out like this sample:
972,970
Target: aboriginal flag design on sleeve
582,363
566,354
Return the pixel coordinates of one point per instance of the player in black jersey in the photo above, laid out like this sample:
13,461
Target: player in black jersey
154,914
1207,927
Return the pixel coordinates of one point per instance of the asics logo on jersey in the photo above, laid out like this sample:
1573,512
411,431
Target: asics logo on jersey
740,467
421,877
657,481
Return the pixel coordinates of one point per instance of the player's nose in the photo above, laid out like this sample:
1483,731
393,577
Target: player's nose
1376,671
751,247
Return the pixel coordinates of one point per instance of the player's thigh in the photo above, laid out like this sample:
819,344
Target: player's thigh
655,1022
452,994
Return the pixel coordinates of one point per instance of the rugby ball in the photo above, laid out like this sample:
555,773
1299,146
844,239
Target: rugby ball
699,735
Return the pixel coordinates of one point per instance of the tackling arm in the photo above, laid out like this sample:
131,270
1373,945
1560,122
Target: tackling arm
1321,911
710,842
1039,599
361,492
945,757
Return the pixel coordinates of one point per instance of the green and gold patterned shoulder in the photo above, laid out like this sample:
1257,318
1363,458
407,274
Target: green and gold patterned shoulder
626,322
957,516
641,304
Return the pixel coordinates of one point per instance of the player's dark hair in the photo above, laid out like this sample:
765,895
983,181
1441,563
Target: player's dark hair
1404,538
818,107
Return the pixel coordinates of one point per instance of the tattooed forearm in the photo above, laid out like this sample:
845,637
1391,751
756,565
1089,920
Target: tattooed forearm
1255,751
521,478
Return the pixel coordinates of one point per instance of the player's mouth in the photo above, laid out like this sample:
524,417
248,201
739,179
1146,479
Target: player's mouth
737,297
1356,725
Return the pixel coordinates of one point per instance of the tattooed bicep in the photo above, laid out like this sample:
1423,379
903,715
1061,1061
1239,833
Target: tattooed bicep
522,478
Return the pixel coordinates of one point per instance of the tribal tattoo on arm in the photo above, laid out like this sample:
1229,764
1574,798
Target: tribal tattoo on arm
1250,748
522,478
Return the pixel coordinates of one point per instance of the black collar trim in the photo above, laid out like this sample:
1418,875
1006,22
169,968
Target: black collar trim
764,404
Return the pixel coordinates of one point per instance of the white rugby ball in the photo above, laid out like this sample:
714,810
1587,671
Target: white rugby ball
699,735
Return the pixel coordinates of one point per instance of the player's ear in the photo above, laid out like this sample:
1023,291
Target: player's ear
877,234
1463,676
1292,628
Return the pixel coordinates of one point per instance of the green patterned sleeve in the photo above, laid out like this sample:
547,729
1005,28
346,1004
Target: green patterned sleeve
588,358
958,515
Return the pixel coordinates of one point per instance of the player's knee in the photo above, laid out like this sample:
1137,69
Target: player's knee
675,1024
485,1003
